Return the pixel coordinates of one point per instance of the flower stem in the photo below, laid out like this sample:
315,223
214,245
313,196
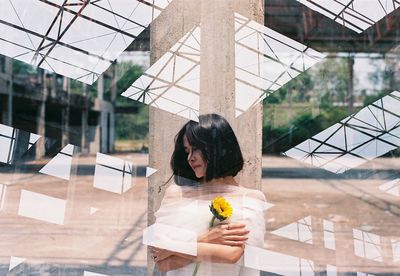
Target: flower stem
212,222
196,268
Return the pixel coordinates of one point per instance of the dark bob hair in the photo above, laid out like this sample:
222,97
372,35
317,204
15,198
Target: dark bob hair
214,137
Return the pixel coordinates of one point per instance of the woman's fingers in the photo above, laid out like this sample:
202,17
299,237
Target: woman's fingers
235,225
237,232
236,238
234,243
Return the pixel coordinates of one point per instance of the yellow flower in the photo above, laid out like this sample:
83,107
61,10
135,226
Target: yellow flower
221,208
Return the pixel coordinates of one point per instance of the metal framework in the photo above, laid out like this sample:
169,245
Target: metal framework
264,61
357,15
363,136
76,38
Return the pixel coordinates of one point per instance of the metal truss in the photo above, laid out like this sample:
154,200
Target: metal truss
75,38
357,15
264,61
173,82
363,136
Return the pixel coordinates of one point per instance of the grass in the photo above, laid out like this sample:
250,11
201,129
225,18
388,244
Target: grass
131,145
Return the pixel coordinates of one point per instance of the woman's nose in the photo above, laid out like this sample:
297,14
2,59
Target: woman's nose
190,156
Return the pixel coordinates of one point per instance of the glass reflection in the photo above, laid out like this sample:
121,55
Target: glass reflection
14,143
357,15
172,83
79,41
113,174
60,166
42,207
363,136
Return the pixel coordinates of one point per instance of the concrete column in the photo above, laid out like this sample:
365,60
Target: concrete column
54,84
319,246
350,85
114,79
344,244
65,112
100,87
217,86
41,115
85,126
95,143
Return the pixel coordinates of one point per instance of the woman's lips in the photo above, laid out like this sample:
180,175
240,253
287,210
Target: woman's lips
196,166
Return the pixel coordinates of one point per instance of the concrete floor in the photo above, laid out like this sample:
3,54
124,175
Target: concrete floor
101,231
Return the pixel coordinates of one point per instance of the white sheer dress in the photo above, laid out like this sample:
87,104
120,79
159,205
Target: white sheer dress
187,208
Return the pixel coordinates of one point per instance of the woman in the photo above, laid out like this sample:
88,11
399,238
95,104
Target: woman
205,161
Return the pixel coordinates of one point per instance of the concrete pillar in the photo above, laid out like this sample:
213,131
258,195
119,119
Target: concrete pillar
350,85
344,244
114,79
217,86
65,112
319,250
217,76
54,84
95,143
41,115
84,122
100,87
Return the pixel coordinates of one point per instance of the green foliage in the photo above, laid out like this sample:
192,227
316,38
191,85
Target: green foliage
22,68
331,79
280,139
129,73
132,126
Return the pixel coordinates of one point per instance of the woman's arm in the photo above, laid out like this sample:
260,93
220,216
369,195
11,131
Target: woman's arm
230,238
215,253
172,262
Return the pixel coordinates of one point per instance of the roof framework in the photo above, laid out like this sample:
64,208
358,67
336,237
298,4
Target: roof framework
76,38
360,137
264,61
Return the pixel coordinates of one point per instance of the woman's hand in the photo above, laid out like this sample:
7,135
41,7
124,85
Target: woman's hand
160,254
233,234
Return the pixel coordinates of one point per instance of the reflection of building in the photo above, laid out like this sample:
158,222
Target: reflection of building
44,104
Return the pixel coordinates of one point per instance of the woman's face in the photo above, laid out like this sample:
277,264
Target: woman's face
195,159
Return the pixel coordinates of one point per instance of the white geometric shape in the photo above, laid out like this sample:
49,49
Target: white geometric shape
60,165
93,210
357,15
42,207
329,234
150,171
358,138
299,231
112,174
367,245
171,238
396,250
364,274
172,83
15,261
33,138
7,143
3,191
79,41
88,273
270,261
391,187
265,60
331,270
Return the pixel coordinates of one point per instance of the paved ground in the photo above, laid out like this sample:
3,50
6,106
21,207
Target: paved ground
344,222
